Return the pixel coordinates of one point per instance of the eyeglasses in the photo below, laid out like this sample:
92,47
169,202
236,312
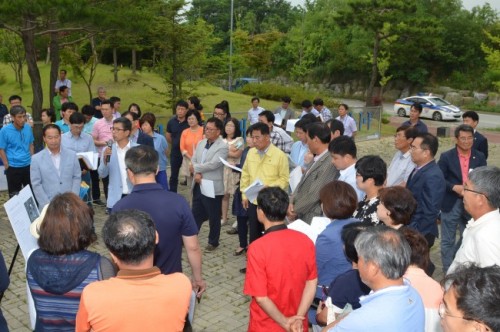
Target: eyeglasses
466,139
210,129
476,192
442,313
117,129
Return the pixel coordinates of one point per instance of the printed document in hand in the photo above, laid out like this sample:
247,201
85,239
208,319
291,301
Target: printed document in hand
229,165
301,226
290,125
319,224
295,177
253,190
278,120
89,158
207,188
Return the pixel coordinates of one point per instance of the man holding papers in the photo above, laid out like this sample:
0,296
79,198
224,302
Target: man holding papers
208,184
78,141
54,170
266,163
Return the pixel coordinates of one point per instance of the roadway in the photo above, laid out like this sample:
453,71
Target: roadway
486,120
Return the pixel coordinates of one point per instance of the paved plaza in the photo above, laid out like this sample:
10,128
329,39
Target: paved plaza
223,307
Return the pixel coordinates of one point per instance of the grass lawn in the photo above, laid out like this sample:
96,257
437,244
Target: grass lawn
131,89
128,91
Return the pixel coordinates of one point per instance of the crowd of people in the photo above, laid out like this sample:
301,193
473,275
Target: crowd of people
368,267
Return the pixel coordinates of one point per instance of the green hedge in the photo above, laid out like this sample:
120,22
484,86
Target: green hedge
275,91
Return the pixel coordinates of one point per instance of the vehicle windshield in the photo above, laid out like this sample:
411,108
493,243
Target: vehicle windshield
439,101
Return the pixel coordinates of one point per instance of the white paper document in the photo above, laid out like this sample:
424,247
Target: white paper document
295,177
290,125
207,188
319,224
90,158
253,190
226,163
21,211
278,120
301,226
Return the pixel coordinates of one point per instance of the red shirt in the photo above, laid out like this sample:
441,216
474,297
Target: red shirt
464,165
278,266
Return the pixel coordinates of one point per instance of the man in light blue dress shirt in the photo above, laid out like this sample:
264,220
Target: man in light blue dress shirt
401,165
78,141
393,304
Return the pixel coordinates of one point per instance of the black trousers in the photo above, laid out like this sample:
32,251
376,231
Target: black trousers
430,241
255,227
208,208
17,178
96,191
175,166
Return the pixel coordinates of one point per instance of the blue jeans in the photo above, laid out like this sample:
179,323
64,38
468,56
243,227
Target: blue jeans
451,221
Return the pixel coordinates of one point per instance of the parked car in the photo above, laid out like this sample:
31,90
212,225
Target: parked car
432,108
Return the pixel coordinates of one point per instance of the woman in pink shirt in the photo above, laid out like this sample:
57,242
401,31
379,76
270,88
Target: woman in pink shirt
429,289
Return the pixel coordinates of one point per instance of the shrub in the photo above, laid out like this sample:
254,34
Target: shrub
275,91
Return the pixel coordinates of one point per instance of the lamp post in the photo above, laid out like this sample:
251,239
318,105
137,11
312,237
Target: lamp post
230,80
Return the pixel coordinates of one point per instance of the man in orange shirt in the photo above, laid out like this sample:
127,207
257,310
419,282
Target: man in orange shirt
139,298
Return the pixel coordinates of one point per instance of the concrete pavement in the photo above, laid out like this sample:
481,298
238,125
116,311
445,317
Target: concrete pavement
223,307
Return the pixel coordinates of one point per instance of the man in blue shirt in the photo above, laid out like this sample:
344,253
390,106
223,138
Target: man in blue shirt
175,126
393,305
16,148
66,110
176,227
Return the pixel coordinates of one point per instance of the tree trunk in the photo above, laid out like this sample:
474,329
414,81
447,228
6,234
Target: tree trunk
134,61
54,63
93,66
47,58
373,80
19,74
115,65
28,37
174,81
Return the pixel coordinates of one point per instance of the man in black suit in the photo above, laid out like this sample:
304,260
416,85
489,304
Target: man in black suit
427,185
136,135
456,165
471,118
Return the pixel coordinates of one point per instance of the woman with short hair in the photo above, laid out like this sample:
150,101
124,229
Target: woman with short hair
58,271
396,206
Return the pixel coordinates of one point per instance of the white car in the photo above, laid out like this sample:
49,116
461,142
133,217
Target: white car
432,108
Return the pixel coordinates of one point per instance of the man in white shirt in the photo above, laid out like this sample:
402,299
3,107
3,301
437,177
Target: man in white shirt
481,195
54,170
285,111
62,81
113,162
343,152
349,123
253,113
401,165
